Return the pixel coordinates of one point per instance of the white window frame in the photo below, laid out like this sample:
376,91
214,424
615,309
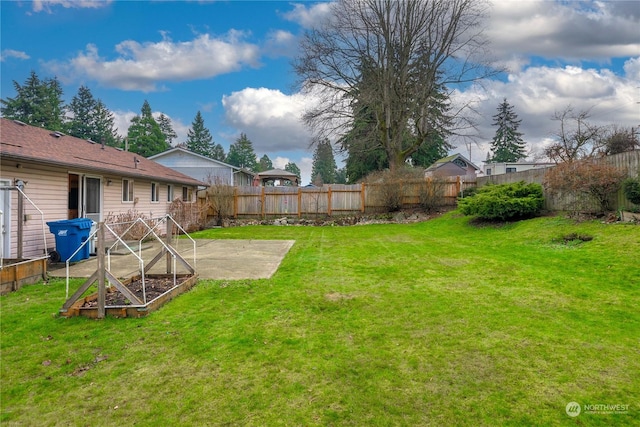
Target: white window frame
169,193
130,191
188,192
155,192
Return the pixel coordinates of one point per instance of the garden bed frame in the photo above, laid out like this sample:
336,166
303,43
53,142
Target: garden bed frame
137,307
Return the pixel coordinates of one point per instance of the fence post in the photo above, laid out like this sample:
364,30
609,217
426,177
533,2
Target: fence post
362,198
329,201
235,202
262,199
101,272
299,202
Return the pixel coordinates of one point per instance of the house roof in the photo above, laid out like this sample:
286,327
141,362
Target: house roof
449,159
200,156
20,141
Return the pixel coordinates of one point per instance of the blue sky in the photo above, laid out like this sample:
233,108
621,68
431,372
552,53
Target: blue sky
230,60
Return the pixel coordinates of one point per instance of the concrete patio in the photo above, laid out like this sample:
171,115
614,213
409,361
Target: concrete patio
215,259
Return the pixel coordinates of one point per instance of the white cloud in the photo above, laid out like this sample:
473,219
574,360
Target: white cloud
280,43
140,66
10,53
47,5
310,16
570,30
538,92
270,118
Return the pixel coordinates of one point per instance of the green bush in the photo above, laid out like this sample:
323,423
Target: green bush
505,201
631,189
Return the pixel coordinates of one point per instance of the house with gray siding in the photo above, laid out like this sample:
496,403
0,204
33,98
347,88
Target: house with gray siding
203,168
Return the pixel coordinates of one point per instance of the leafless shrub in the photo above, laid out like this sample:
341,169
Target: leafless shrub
432,193
125,225
219,200
584,183
389,187
190,216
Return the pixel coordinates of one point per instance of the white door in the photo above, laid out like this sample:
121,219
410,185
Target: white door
5,219
92,198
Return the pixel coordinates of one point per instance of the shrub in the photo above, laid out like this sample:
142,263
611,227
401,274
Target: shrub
219,200
631,188
388,188
432,193
585,182
504,202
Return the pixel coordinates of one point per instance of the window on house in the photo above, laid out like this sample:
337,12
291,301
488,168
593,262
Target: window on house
155,192
488,171
186,194
511,170
169,193
127,190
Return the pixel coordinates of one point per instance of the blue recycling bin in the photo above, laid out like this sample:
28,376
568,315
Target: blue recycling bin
70,234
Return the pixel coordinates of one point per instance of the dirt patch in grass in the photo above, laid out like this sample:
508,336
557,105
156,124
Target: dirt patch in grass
337,296
154,287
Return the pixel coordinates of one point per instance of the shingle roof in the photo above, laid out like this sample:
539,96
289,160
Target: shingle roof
448,159
29,143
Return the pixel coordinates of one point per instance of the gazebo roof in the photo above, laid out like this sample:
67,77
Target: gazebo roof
277,174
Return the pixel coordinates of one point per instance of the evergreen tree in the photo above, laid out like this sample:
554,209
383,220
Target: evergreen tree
144,135
37,103
341,176
429,152
365,154
91,119
265,164
217,153
105,128
507,144
293,168
242,155
199,139
167,128
324,164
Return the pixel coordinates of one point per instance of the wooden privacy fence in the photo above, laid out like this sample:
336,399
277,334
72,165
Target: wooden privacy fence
335,199
628,162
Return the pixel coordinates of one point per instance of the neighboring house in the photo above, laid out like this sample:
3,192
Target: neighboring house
454,165
502,168
68,177
203,168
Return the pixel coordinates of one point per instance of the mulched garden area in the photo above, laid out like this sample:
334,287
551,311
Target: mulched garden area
154,288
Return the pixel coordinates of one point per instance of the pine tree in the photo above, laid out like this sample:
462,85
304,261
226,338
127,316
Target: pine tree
91,119
265,164
105,128
293,168
37,102
507,144
242,155
324,164
217,153
199,139
144,135
167,128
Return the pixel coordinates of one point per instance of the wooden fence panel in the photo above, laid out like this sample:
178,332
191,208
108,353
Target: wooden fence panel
629,162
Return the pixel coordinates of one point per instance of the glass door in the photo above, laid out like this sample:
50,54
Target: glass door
92,198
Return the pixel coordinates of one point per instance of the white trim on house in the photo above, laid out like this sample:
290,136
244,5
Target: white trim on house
512,167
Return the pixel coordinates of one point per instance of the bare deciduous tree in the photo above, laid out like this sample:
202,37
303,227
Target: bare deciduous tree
576,138
395,57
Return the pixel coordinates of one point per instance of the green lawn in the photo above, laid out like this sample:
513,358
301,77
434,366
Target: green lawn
434,323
